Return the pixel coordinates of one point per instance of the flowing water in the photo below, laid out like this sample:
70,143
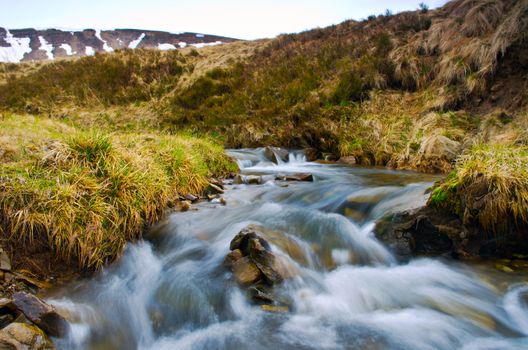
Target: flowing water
348,292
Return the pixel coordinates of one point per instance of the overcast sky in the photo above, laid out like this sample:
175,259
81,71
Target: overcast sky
244,19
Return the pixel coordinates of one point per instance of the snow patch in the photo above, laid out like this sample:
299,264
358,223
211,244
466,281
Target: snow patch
14,53
134,43
90,51
68,49
164,47
200,45
200,36
182,44
105,44
46,47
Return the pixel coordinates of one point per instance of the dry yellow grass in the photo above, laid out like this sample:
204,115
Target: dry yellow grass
86,193
489,187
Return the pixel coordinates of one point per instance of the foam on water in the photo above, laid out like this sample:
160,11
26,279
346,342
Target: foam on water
348,292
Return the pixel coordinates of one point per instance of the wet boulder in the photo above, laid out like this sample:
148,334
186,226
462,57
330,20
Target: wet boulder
41,314
330,157
423,231
249,180
265,260
246,271
347,160
307,177
190,197
255,266
276,154
312,154
242,240
21,336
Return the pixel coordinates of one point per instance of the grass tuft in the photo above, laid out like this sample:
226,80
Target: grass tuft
489,187
84,194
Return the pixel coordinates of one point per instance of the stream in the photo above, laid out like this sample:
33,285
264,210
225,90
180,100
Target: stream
349,292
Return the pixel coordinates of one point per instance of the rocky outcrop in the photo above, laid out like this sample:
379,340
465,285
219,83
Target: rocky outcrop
256,267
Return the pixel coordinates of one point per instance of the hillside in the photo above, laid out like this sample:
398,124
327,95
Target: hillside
30,44
414,90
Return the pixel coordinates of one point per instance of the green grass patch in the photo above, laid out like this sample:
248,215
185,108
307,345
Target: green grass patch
86,193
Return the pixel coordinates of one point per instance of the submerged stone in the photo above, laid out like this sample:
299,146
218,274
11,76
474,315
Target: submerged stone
275,308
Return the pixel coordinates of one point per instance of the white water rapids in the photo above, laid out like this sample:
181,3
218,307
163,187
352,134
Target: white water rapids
349,292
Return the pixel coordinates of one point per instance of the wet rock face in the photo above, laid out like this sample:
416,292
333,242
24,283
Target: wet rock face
255,266
312,154
435,231
276,154
420,232
41,314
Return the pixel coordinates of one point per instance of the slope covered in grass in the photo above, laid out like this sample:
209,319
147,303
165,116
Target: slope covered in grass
413,90
84,194
356,89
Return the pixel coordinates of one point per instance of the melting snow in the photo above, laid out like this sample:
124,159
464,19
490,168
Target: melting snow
105,44
90,51
164,47
182,44
15,52
200,45
134,43
46,47
68,49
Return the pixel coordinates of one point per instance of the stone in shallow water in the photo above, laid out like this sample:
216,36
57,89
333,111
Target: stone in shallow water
348,160
233,256
41,314
246,272
265,261
24,336
215,188
275,154
296,177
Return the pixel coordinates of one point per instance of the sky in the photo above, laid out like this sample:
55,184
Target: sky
243,19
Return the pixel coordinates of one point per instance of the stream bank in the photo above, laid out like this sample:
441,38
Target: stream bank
349,290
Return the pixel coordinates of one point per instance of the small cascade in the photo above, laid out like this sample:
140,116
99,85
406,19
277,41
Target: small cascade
346,289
